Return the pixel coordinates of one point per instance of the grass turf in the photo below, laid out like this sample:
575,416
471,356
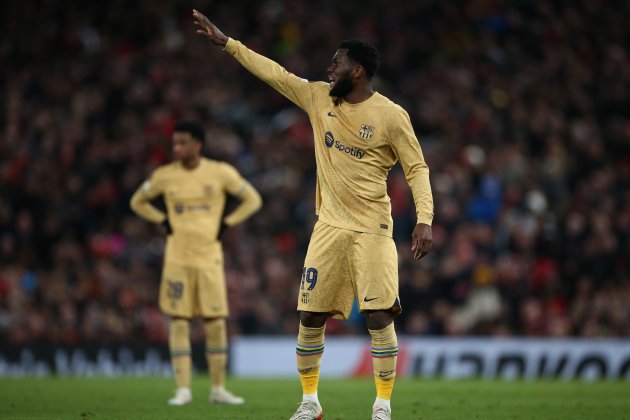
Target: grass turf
138,399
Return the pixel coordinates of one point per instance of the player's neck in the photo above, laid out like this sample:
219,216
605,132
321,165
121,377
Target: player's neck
359,94
191,163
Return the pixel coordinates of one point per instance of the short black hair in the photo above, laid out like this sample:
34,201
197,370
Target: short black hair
363,53
193,128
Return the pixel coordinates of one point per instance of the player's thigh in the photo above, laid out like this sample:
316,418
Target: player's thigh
212,299
177,291
325,285
375,270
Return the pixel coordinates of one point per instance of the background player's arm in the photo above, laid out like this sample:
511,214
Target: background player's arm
141,203
237,186
407,149
250,203
297,90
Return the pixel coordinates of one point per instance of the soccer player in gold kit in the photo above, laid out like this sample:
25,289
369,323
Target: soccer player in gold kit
359,135
194,190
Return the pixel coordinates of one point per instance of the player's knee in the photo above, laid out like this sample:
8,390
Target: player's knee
178,337
377,320
179,326
313,319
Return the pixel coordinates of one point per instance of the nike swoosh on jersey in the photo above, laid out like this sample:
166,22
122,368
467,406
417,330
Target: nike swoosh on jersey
366,299
332,114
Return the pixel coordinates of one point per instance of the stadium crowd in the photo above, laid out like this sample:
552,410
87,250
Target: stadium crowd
522,109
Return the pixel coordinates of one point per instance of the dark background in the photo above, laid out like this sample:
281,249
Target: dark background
522,109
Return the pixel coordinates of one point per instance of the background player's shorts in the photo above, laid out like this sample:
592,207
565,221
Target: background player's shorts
341,264
187,292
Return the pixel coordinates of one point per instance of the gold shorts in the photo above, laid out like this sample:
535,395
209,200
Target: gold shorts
187,292
343,264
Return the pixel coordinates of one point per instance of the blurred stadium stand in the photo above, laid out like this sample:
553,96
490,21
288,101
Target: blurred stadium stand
522,109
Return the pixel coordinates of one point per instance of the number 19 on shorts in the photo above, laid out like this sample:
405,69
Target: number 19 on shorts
309,277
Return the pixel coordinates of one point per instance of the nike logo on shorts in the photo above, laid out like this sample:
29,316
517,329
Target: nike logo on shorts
367,299
331,114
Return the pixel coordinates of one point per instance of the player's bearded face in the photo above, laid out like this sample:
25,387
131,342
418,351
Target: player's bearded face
342,86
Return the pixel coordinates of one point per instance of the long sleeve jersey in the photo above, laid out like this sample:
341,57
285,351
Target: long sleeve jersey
356,146
195,201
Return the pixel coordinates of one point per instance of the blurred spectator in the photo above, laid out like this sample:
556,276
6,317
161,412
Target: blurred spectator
523,110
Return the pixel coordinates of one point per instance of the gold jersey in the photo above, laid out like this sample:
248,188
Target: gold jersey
195,200
356,145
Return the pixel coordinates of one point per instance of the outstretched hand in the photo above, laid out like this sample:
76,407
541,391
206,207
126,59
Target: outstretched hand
209,29
421,240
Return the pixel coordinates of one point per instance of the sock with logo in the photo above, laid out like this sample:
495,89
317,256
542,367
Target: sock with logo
216,350
179,345
310,347
384,352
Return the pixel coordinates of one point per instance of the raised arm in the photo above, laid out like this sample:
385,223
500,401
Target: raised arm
297,90
209,29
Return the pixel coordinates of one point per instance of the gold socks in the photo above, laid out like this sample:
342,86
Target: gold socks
384,352
310,347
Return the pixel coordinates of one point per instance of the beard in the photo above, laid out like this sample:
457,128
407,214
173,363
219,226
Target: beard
342,87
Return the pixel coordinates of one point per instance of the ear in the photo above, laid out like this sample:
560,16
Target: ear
358,71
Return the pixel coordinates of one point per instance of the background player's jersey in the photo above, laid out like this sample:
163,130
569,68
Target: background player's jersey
356,145
194,200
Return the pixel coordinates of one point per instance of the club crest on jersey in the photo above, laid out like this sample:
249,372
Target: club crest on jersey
366,132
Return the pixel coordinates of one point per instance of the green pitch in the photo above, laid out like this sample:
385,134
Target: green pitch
138,399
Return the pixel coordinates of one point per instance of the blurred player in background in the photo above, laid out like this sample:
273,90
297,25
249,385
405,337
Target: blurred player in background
195,190
359,135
